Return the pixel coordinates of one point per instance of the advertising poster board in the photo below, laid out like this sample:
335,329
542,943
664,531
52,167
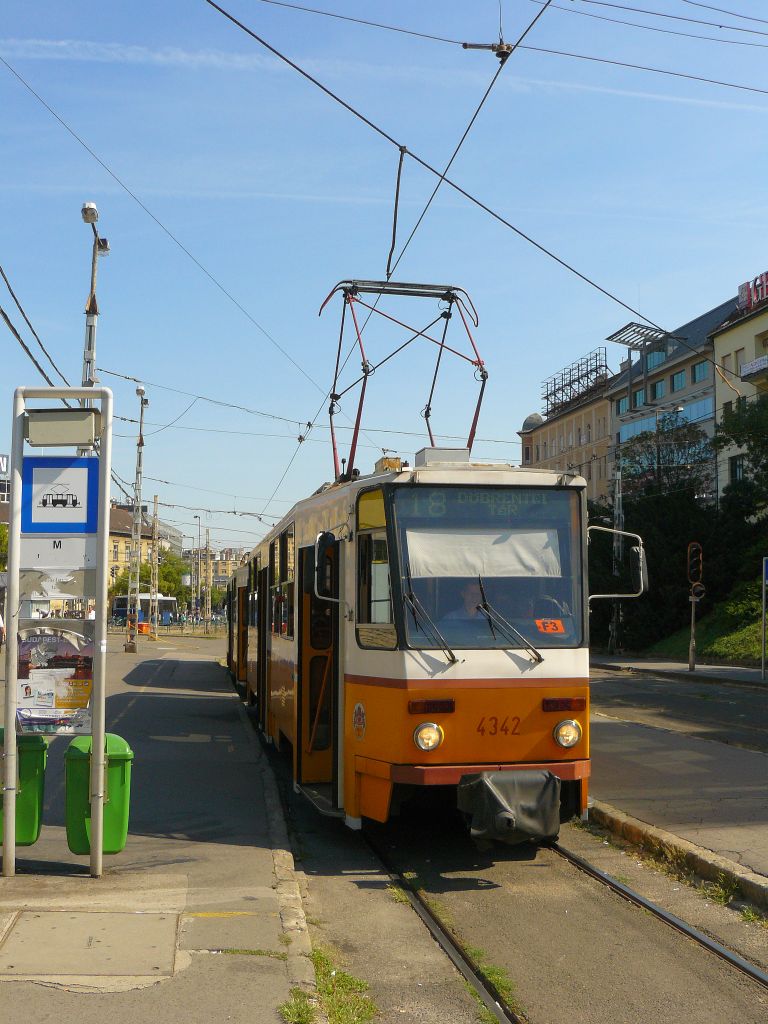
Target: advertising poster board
55,676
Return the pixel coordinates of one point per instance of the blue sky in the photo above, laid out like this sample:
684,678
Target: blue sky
651,185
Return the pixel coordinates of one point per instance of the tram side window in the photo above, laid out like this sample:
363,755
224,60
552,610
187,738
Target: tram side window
375,624
282,564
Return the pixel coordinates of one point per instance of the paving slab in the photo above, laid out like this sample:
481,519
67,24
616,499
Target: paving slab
231,930
56,943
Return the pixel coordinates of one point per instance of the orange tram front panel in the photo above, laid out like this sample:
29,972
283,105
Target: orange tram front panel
494,725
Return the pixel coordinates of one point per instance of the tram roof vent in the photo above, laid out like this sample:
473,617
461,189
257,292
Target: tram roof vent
439,456
388,463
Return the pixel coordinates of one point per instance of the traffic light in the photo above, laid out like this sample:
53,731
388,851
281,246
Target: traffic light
695,562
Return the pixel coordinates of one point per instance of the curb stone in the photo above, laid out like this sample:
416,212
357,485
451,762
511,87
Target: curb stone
675,675
704,863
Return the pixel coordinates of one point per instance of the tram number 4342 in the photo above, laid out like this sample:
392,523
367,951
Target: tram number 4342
489,725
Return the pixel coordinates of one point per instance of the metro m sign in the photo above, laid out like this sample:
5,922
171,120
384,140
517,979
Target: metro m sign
4,464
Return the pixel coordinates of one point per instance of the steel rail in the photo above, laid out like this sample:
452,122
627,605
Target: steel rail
486,991
747,968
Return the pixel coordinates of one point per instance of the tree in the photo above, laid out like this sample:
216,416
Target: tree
746,427
3,546
676,456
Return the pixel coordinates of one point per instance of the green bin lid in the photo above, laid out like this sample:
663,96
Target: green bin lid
24,741
117,748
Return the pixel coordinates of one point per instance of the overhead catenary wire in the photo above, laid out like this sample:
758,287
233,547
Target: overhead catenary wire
722,10
671,17
25,347
210,490
648,69
423,163
503,56
655,28
537,49
35,335
214,280
201,398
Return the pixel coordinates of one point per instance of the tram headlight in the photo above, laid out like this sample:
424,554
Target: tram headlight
428,736
567,733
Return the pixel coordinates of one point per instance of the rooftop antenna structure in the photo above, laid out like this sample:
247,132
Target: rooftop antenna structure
449,298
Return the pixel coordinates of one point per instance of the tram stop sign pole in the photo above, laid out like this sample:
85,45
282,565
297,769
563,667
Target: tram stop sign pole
59,511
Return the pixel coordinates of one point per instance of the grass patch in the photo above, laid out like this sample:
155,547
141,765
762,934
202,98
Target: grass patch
497,976
722,633
751,916
271,953
298,1008
285,939
342,996
397,893
484,1015
722,891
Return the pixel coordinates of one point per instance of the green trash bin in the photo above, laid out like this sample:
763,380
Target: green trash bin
117,793
31,754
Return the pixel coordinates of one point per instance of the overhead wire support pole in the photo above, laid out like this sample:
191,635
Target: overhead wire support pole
153,586
134,572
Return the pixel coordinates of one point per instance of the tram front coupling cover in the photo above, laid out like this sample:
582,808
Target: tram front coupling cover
513,806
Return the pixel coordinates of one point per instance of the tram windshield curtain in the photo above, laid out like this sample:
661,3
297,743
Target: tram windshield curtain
488,552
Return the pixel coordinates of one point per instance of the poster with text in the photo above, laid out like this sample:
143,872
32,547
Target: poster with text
55,676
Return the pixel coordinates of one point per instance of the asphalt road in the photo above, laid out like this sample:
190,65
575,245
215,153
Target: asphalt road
736,715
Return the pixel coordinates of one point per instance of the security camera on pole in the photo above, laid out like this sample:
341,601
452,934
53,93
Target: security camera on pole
695,573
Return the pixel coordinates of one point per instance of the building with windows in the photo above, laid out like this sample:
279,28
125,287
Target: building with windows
119,550
740,349
666,377
574,432
5,483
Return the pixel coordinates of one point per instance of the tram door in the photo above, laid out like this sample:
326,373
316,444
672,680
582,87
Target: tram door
318,673
262,648
242,634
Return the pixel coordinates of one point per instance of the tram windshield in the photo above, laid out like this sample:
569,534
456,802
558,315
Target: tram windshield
475,561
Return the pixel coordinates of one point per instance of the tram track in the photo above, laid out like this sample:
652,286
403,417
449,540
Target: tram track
484,989
472,972
736,961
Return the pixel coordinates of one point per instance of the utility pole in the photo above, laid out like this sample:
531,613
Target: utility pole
198,588
153,586
134,572
208,580
90,215
618,554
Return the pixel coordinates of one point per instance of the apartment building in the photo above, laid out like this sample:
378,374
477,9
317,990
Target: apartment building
740,349
667,378
574,432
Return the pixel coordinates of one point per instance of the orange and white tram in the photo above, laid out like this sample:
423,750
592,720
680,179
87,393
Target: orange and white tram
424,626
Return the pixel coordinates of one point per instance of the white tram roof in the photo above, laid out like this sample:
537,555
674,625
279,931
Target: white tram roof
431,466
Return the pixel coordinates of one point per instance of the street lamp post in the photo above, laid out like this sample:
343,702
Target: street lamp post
90,215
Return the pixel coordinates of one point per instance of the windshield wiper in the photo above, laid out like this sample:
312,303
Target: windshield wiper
497,621
420,612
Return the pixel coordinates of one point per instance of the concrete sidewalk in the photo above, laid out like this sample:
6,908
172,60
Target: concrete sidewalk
200,918
679,670
657,785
